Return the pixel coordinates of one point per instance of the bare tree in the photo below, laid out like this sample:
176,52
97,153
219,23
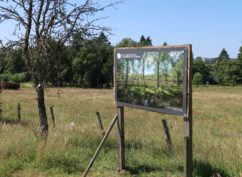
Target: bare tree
38,24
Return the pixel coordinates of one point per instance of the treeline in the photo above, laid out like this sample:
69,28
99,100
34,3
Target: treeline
89,63
81,63
221,70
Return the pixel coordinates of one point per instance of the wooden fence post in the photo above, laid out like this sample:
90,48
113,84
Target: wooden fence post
52,115
0,102
100,124
121,144
19,112
167,134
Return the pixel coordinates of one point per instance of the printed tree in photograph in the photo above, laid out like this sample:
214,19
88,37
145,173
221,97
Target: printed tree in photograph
164,68
157,60
143,60
127,70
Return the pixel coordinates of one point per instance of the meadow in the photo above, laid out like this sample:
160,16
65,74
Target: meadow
217,128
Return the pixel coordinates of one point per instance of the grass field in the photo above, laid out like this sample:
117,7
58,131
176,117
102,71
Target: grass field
217,114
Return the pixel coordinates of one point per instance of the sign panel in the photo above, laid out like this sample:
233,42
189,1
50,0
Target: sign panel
152,78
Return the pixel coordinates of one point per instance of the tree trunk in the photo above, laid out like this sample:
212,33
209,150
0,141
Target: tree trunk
43,127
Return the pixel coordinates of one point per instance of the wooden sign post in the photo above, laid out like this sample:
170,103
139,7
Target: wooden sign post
181,57
188,165
124,97
121,144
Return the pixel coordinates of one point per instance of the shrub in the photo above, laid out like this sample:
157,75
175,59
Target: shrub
9,85
4,77
197,79
18,77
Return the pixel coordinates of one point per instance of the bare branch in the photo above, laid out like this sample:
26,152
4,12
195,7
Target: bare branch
10,13
44,16
38,19
27,34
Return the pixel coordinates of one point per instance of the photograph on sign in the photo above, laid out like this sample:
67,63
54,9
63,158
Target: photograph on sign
151,78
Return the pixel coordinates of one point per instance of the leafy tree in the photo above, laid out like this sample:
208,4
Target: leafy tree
104,64
239,61
197,79
14,62
223,55
127,42
142,40
61,71
228,72
93,63
240,54
148,41
162,64
145,41
199,66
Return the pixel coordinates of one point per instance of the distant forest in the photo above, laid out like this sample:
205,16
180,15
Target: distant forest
88,63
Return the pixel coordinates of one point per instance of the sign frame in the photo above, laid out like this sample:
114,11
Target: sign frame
186,77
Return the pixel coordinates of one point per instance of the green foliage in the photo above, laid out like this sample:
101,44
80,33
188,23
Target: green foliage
240,54
150,95
13,62
199,66
127,42
229,72
89,63
4,77
92,65
197,79
223,55
145,41
70,148
18,77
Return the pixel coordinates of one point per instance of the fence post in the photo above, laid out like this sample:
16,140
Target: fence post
100,124
52,115
167,134
19,112
0,102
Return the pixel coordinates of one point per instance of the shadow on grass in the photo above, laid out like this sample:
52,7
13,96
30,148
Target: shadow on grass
205,169
143,169
13,122
67,164
137,170
201,169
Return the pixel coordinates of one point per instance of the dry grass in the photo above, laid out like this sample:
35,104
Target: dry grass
217,135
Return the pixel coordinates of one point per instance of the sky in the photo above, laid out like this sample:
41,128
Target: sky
209,25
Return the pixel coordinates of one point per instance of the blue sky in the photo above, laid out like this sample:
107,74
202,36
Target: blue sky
209,25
